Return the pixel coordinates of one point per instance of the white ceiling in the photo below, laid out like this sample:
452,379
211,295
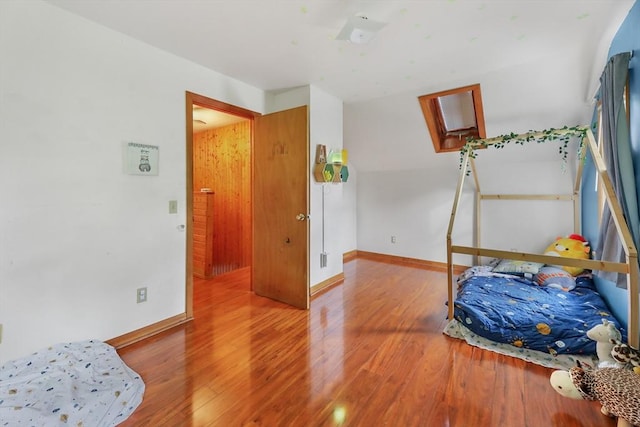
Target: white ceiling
277,44
205,118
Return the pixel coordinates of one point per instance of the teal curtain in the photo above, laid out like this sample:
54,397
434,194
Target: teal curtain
617,156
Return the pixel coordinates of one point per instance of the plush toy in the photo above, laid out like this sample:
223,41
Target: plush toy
617,390
605,335
625,354
574,246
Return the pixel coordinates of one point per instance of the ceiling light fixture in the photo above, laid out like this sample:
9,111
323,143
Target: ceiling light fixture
198,113
360,30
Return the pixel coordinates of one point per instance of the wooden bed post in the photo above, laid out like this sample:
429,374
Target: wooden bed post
630,268
632,284
456,201
577,208
478,202
625,238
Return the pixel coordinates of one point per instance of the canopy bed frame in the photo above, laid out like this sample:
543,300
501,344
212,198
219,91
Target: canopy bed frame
629,267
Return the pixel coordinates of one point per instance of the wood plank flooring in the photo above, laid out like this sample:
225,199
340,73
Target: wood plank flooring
369,352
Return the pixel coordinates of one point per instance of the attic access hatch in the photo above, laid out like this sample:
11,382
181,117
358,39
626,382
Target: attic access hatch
452,116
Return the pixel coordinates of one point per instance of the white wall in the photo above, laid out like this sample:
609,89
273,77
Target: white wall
77,235
289,98
415,207
337,220
406,190
411,205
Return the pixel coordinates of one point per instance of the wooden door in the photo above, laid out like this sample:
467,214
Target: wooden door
281,207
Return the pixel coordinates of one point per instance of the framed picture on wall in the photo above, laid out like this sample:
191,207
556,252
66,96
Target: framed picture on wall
141,159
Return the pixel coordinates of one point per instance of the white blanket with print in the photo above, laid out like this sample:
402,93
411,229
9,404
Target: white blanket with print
79,384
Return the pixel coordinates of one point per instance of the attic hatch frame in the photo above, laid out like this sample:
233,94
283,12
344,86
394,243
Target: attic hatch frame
630,268
447,139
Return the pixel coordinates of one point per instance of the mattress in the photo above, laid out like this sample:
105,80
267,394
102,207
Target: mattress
516,311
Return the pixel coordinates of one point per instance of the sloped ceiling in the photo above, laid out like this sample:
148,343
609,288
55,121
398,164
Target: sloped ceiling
426,46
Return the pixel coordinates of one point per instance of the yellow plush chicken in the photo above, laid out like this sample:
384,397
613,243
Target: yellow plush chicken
574,246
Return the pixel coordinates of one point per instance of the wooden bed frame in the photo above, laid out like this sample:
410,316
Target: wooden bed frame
629,267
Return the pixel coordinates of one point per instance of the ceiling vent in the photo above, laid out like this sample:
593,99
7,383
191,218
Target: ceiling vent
360,30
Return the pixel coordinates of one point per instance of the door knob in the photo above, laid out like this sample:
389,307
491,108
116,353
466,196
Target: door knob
301,217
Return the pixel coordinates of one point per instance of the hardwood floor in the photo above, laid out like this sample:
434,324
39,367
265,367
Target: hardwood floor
369,352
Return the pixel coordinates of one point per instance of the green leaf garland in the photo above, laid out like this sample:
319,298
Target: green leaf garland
563,134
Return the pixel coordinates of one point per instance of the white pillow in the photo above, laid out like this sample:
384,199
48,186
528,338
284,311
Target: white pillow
509,266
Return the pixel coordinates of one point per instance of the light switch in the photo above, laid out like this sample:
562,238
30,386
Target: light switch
173,206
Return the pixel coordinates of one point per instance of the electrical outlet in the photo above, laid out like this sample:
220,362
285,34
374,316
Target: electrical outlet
393,239
141,295
173,206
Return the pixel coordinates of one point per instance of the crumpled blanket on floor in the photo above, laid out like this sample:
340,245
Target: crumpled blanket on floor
74,384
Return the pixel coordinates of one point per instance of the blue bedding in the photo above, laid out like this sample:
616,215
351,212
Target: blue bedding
514,310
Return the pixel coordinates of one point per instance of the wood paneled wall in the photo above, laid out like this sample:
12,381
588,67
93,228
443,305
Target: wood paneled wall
222,162
203,211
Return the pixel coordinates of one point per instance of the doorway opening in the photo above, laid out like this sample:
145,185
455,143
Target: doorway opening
219,189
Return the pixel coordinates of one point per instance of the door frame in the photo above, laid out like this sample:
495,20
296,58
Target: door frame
203,101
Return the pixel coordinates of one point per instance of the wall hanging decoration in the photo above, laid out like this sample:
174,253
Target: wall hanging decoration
332,168
141,159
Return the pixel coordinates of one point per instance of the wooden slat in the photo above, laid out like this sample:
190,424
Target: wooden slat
474,174
477,203
546,259
634,316
577,208
452,219
612,199
203,234
568,197
625,238
200,209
